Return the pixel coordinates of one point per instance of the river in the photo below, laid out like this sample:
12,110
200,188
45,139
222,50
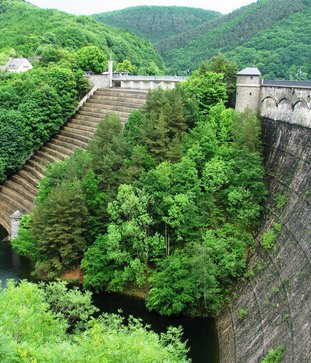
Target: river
200,333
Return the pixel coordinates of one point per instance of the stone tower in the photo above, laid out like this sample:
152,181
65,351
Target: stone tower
248,90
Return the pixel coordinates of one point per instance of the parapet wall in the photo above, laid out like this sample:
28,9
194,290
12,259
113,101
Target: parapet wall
286,101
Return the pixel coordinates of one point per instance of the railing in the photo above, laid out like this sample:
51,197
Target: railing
286,84
121,77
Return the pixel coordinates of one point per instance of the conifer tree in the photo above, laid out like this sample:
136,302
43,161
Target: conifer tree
58,227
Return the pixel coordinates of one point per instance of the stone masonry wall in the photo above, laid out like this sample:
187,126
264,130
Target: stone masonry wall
288,104
276,297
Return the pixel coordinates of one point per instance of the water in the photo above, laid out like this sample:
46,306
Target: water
200,333
12,266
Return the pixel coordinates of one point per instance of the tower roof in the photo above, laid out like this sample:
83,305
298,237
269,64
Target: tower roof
249,72
16,215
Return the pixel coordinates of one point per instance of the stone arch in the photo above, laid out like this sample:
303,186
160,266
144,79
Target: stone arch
285,104
269,102
5,221
4,231
301,104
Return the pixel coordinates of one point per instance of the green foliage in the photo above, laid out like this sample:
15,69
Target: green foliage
29,29
166,20
205,90
91,58
170,203
274,45
14,141
247,130
242,314
35,329
108,151
220,64
58,228
270,236
281,201
173,286
274,355
127,246
71,304
24,244
33,106
126,66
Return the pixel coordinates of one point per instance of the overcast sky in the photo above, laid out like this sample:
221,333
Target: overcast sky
99,6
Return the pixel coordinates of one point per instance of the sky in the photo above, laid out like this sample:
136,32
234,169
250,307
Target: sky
99,6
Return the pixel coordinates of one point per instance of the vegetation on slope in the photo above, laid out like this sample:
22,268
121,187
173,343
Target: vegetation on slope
52,324
28,29
228,32
271,34
170,203
33,105
156,23
283,51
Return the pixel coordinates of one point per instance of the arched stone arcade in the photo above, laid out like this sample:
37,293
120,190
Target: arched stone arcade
4,233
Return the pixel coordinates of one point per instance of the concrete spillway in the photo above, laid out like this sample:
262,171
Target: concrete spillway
19,192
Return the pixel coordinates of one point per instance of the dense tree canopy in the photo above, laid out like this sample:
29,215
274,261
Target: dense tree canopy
52,324
270,34
156,23
169,204
28,30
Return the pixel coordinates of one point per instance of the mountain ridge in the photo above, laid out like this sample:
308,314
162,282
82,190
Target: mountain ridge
156,23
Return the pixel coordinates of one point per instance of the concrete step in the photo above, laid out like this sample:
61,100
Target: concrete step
75,134
54,151
5,219
19,188
29,178
102,100
43,160
109,108
73,142
64,148
37,166
80,130
33,171
88,118
128,94
15,200
52,158
100,114
8,209
26,185
103,111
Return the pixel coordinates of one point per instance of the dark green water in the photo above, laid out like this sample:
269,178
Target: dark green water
200,333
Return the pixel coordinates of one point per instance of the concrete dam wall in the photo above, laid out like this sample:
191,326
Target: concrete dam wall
272,306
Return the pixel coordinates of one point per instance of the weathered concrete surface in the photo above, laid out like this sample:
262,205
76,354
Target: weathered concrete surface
278,297
288,104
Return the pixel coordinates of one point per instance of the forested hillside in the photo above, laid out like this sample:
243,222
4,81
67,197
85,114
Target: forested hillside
225,34
271,34
156,23
35,104
28,29
168,205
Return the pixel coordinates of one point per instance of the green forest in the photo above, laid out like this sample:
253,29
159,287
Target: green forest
273,35
35,104
156,23
168,205
28,31
51,323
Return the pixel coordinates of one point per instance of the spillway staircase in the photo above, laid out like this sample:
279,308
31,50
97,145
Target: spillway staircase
19,191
